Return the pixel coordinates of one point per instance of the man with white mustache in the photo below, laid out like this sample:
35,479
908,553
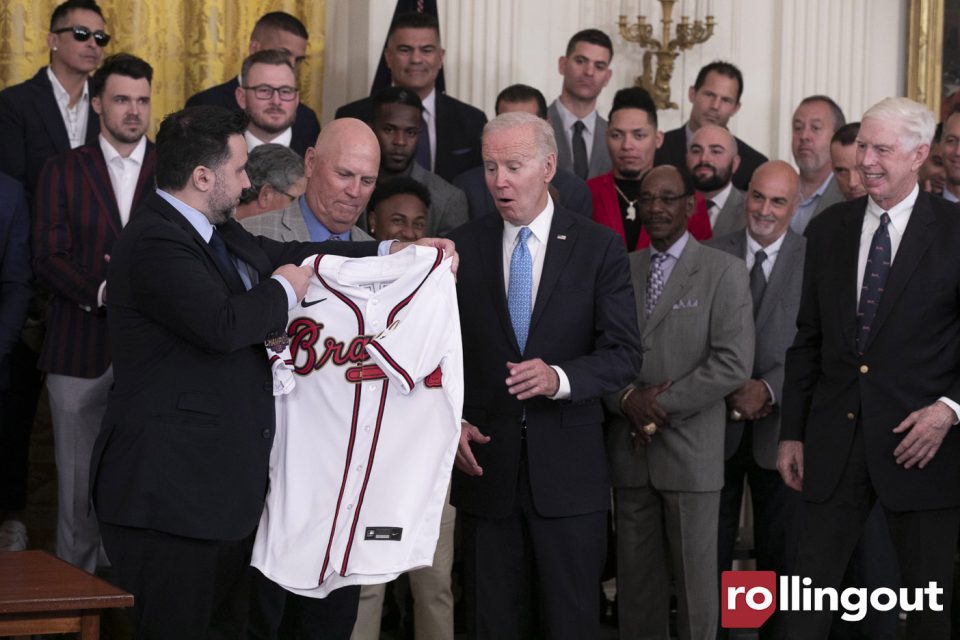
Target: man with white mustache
83,200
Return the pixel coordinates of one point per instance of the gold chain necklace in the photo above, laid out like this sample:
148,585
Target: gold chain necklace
631,210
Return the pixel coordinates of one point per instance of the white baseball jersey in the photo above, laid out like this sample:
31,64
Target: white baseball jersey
365,441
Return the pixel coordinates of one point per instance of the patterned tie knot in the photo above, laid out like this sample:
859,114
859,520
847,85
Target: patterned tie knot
524,234
884,219
578,126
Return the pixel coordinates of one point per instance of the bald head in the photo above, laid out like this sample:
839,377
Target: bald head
771,201
341,171
712,159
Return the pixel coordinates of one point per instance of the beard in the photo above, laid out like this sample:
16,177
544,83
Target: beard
630,174
714,182
270,127
220,207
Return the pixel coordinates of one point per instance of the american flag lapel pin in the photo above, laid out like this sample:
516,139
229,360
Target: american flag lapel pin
561,237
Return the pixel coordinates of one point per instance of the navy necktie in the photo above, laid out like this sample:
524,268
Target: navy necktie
520,288
874,280
423,145
225,262
581,166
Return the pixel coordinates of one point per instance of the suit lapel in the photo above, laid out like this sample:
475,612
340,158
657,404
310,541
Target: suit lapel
919,234
95,171
146,182
564,154
783,270
46,104
560,242
677,286
848,255
491,264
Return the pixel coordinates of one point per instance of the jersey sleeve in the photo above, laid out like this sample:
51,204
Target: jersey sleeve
424,335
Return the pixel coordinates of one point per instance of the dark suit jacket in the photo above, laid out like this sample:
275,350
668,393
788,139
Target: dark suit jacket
306,127
189,424
33,129
776,327
14,266
583,321
912,356
674,151
76,221
459,128
574,194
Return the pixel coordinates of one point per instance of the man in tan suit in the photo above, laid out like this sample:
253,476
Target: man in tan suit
341,171
665,441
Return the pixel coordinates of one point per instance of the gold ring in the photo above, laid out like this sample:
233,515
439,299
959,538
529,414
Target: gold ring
650,428
735,415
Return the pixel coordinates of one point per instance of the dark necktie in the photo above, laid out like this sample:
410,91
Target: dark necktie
581,165
710,205
423,145
758,281
874,280
225,262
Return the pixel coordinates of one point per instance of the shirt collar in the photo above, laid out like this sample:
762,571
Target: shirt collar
539,226
899,213
721,198
110,153
675,249
568,118
61,95
819,192
196,219
318,232
949,197
284,138
430,103
771,250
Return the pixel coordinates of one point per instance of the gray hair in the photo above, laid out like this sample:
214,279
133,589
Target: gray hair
542,129
917,123
272,164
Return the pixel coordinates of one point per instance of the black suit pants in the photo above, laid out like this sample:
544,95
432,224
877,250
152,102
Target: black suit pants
925,542
567,555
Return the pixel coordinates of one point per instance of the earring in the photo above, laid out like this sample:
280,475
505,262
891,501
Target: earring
54,48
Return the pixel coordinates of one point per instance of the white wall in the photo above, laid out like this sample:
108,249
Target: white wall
852,50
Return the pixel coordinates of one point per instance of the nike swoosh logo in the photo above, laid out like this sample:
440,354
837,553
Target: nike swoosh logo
310,303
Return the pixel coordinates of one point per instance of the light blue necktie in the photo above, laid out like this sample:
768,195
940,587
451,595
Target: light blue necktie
520,288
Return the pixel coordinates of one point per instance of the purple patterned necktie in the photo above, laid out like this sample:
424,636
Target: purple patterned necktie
874,280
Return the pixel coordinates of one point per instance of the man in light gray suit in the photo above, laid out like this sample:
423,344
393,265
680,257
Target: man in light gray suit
774,257
665,439
341,172
580,131
712,159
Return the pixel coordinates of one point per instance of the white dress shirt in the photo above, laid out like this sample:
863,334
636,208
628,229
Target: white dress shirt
772,250
537,245
718,201
589,122
284,138
75,117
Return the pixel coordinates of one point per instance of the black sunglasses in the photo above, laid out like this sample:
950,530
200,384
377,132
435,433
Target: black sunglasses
82,34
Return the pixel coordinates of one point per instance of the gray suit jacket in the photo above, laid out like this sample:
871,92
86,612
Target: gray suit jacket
831,196
700,336
448,204
730,218
599,156
287,224
776,326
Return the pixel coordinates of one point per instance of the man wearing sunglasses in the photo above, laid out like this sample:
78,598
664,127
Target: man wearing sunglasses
285,33
51,113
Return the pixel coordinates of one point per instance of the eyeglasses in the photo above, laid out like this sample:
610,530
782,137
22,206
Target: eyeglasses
646,199
82,34
265,92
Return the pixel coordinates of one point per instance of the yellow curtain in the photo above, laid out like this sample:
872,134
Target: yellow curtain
191,44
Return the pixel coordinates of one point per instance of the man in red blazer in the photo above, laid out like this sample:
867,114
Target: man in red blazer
84,198
632,140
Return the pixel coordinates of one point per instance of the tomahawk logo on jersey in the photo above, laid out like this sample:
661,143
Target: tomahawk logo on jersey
367,433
